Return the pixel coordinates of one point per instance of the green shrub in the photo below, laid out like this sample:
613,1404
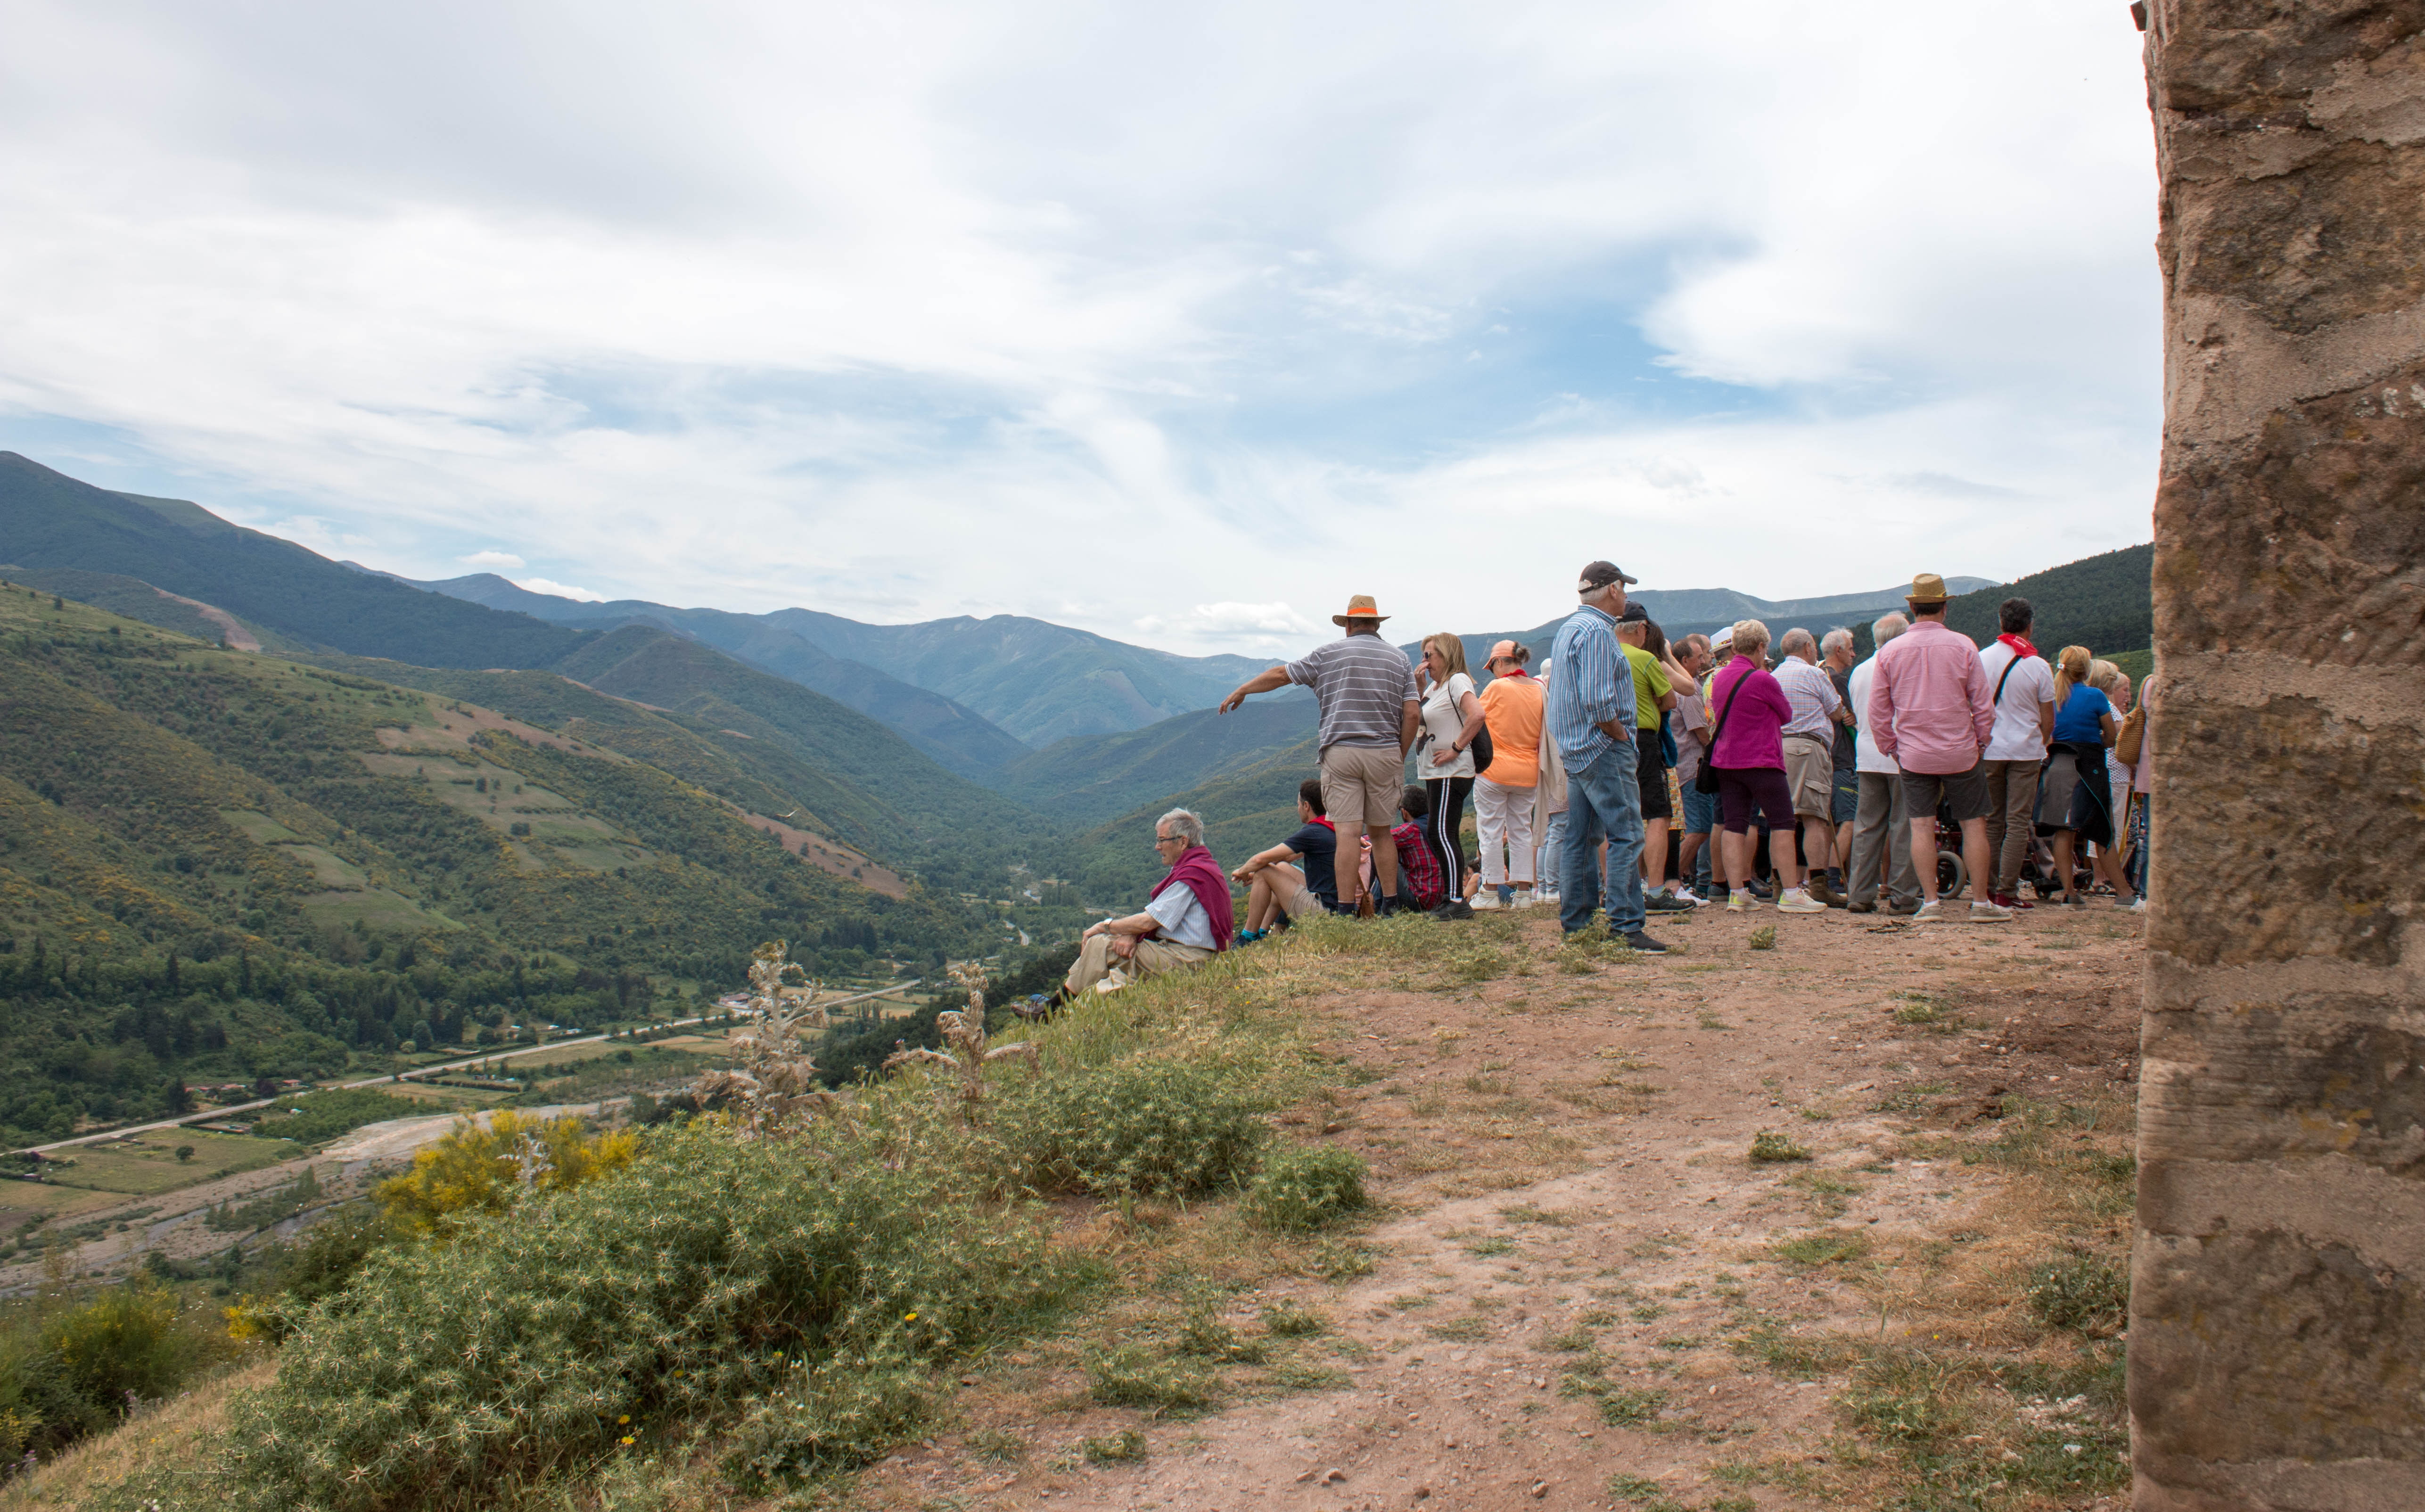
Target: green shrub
2087,1294
1138,1126
704,1275
1306,1187
129,1343
1765,937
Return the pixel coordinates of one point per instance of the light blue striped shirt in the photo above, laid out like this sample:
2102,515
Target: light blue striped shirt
1591,682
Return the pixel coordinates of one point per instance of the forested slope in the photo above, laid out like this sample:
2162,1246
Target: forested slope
216,865
2105,602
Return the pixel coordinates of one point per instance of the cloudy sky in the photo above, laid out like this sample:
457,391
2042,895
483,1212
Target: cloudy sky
1177,323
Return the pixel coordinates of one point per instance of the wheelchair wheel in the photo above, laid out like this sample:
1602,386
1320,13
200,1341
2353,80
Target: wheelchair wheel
1951,875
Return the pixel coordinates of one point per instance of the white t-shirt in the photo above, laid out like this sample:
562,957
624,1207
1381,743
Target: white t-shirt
1866,755
1444,722
1182,919
2015,737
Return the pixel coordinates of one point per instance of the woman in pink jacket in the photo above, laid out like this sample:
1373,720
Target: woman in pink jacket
1749,712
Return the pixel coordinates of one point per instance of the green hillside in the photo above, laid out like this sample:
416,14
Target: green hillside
1244,811
877,792
217,865
1090,779
2105,602
49,519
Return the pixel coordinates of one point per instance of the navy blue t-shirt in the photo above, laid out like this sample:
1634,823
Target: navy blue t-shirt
2081,721
1316,846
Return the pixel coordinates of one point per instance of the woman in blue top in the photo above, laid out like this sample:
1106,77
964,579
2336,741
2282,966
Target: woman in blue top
2075,801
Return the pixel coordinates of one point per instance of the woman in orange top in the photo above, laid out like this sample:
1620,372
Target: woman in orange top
1502,794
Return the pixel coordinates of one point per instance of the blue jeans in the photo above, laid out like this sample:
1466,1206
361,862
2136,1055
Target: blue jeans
1603,800
1554,846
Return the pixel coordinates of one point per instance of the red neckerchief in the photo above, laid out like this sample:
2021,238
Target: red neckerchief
2020,644
1325,824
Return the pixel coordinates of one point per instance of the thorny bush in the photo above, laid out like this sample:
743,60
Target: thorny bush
1304,1186
706,1275
1143,1126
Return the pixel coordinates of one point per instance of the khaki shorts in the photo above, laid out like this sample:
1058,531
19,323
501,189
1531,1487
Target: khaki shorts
1301,901
1810,775
1362,784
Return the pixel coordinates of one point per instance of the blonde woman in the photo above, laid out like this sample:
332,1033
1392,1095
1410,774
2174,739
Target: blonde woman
1452,717
2075,801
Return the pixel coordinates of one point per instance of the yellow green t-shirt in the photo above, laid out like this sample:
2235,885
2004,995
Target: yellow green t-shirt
1650,685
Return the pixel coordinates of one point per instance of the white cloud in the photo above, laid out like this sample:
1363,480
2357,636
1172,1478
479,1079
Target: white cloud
936,309
561,590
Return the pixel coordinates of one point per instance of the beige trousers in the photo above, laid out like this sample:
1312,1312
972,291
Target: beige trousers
1153,957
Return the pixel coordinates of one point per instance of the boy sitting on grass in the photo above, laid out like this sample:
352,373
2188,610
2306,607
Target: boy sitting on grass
1277,891
1420,875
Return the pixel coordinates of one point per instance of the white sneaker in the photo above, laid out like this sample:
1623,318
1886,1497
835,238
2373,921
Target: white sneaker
1989,913
1483,899
1739,901
1524,898
1685,895
1932,911
2138,905
1548,899
1797,901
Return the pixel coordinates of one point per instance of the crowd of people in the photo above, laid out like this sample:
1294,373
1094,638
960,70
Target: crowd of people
2034,773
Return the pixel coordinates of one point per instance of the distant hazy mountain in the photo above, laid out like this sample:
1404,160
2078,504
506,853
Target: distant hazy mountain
953,733
1038,680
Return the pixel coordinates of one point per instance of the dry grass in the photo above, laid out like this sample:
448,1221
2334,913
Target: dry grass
162,1442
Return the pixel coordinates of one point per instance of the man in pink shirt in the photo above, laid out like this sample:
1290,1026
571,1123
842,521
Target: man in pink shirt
1931,710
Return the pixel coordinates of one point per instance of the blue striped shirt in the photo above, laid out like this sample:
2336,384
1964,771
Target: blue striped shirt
1591,684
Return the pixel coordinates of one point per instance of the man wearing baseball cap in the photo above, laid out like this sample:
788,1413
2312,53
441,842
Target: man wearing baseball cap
1370,712
1931,710
1592,719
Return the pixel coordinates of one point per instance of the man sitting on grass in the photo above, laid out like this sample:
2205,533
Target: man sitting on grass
1187,920
1279,892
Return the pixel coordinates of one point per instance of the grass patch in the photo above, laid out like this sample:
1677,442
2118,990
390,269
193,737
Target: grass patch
1300,1187
1769,1147
1833,1248
1134,1377
1126,1447
1288,1320
2084,1292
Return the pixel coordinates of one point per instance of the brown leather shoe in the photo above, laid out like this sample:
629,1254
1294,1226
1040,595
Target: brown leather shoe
1817,887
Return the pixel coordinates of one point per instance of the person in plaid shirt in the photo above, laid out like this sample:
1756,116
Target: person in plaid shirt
1419,867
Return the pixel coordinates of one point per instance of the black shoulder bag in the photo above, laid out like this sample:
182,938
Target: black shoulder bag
1705,779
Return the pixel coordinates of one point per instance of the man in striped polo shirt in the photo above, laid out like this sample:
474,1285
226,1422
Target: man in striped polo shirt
1591,717
1366,689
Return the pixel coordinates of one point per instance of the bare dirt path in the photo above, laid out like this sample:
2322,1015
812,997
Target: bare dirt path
1577,1275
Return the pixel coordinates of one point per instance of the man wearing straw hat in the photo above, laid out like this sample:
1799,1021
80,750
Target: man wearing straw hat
1370,712
1933,713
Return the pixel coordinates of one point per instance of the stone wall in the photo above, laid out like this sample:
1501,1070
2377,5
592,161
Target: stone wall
2277,1340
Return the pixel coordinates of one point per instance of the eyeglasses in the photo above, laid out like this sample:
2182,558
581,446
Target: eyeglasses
1169,839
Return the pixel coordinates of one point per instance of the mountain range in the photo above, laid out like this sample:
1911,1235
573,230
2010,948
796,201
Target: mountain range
945,749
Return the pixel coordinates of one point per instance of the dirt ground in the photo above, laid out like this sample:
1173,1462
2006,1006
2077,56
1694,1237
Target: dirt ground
1560,1147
